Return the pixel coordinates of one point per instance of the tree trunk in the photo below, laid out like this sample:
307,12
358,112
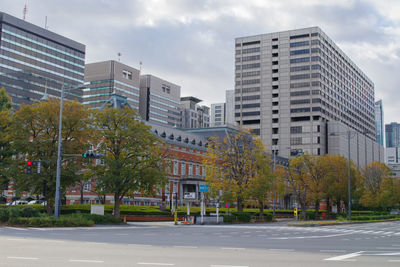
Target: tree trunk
116,206
239,205
261,207
316,209
81,189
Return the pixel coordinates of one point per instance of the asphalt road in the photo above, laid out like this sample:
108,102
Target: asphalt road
274,244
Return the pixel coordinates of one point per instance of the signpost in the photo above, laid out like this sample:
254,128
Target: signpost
202,188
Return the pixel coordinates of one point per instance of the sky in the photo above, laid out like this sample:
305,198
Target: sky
191,42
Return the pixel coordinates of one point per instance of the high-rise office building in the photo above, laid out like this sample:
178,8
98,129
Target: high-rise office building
193,114
392,132
160,101
379,122
218,116
107,78
36,62
289,85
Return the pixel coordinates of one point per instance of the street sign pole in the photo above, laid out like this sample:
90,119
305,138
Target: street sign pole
202,207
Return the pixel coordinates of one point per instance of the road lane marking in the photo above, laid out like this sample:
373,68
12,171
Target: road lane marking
88,261
344,257
16,228
156,263
332,251
280,249
22,258
393,260
185,247
233,248
213,265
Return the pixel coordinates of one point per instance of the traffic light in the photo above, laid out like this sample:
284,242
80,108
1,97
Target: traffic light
29,167
92,155
38,166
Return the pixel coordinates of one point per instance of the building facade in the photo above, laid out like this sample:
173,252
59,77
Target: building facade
160,101
392,132
193,114
103,79
185,153
379,122
392,159
289,85
230,107
35,62
218,115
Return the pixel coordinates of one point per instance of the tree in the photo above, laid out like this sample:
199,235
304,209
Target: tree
133,160
263,178
6,149
336,182
298,177
35,134
378,187
231,165
317,169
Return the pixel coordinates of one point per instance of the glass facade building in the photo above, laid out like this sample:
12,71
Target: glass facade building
107,78
392,131
35,62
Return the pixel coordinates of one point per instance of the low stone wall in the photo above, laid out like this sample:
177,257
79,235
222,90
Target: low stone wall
209,219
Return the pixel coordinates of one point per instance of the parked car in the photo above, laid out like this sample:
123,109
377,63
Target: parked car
18,202
37,202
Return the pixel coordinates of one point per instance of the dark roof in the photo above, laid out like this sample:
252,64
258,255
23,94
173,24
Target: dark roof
191,98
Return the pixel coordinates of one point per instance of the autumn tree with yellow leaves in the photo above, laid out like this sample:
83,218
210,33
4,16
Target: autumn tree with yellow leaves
239,166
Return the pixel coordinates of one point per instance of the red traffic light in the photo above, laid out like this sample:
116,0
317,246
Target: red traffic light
29,163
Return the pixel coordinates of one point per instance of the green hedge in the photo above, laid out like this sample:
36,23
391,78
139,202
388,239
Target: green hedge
50,221
97,219
245,217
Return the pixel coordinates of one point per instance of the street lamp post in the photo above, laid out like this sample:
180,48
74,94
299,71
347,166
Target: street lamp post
349,173
273,193
57,203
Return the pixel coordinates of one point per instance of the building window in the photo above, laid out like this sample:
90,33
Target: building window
127,74
296,129
87,186
175,168
166,89
190,169
197,169
296,141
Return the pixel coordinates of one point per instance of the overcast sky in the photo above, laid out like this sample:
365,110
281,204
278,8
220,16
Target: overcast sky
191,42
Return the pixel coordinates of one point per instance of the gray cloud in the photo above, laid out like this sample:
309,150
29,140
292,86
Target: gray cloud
190,42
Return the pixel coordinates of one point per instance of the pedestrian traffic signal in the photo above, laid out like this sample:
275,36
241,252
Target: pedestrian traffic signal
92,155
29,167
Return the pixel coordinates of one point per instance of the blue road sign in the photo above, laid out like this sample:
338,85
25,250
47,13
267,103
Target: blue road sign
203,188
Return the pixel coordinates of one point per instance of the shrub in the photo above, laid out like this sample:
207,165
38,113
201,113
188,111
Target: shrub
97,219
28,211
229,218
50,221
243,216
4,215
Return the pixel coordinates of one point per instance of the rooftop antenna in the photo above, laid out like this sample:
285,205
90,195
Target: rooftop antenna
25,11
45,24
119,56
140,66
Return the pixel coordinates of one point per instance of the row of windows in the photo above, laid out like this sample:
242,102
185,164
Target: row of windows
247,97
245,114
251,58
60,49
250,73
250,50
253,105
299,52
300,101
297,44
300,68
300,76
